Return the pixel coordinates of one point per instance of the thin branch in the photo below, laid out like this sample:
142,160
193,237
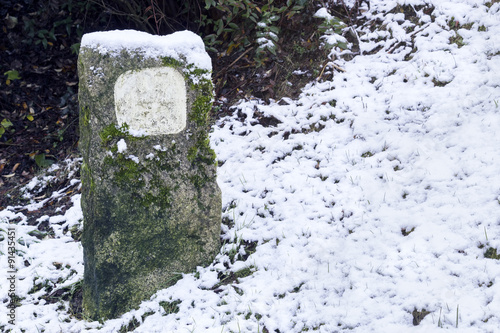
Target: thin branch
241,56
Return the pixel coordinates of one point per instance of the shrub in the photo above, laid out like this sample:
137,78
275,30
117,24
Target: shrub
247,24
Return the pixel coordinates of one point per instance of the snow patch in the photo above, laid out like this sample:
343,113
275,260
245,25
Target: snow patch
121,145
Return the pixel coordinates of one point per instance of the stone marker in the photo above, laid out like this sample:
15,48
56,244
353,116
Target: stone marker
151,204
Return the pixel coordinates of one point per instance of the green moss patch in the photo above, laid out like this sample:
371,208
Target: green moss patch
491,253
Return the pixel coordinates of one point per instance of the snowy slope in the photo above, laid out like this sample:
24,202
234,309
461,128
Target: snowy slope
373,200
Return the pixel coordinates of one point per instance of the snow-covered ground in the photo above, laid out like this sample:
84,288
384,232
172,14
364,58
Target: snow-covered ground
372,203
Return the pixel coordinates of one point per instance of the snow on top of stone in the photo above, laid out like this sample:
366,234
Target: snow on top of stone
182,43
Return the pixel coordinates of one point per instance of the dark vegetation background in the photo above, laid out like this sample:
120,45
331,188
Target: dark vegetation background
39,43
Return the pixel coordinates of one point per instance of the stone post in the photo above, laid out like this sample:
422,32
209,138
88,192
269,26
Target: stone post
151,204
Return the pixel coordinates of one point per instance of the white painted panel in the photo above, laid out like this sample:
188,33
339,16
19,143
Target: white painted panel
151,100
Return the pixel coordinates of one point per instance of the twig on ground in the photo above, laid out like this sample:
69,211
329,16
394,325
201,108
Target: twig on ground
326,65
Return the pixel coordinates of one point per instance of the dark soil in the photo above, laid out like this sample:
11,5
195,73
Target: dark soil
42,104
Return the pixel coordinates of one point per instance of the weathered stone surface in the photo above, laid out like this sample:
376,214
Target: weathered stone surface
151,204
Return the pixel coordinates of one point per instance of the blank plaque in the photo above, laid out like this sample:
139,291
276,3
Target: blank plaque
151,100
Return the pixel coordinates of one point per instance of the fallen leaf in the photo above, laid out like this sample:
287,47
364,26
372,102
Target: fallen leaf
6,123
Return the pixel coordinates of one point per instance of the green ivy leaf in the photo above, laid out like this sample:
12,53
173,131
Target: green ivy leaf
12,75
43,162
342,45
234,26
220,27
6,123
75,48
209,3
275,29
